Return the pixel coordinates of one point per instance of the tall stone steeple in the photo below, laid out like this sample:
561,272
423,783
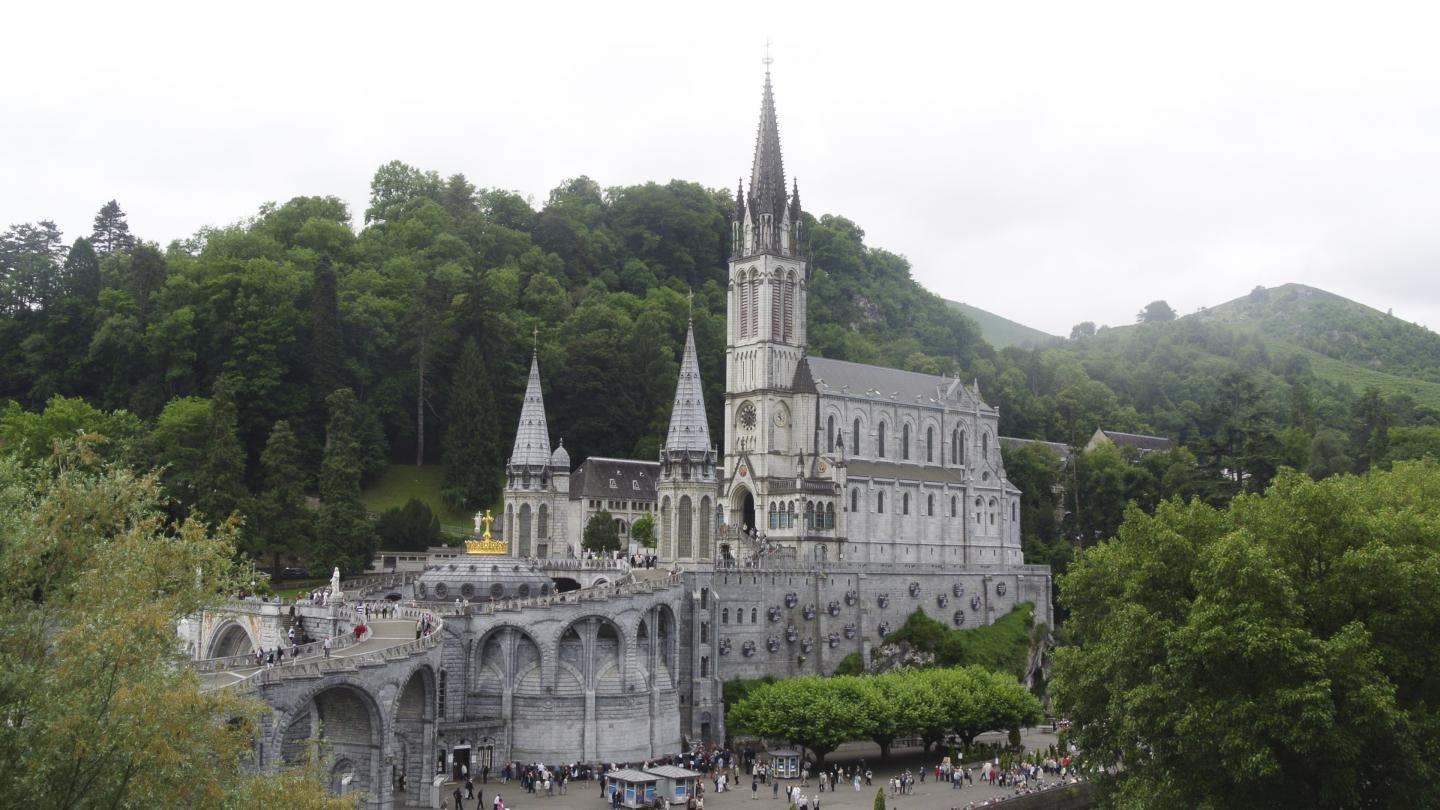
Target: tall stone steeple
532,437
688,486
688,428
767,220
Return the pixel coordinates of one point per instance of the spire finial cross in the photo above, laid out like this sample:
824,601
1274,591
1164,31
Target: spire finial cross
535,339
690,299
767,60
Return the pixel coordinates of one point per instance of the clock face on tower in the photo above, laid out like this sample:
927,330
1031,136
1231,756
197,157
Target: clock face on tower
746,416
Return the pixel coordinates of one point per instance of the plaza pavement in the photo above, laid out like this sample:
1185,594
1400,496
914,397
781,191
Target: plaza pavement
926,796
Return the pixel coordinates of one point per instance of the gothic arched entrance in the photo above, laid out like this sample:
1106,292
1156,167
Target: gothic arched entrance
747,512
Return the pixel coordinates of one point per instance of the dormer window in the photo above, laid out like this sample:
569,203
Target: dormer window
612,484
635,485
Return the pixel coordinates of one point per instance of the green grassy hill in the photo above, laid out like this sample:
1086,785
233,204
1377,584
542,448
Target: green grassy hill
401,482
1335,327
1001,332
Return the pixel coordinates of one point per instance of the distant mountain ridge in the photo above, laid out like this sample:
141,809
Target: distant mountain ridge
1335,327
1000,331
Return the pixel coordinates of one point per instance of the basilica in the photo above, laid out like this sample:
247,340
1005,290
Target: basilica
821,460
841,499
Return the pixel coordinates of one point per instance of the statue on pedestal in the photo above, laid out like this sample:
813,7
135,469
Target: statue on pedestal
335,594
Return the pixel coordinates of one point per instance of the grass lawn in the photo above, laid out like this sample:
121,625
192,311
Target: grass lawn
401,482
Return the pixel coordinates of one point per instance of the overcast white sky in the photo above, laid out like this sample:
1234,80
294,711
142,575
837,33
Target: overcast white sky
1052,163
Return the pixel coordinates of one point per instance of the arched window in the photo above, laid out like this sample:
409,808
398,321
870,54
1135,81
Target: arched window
905,442
705,512
985,445
955,446
961,457
810,515
954,506
880,502
905,504
929,445
686,529
752,615
930,506
790,516
855,439
829,515
830,434
1012,510
774,518
667,550
880,441
979,510
542,525
725,616
992,511
524,538
854,500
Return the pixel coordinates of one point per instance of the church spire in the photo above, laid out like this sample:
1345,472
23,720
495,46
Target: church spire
767,173
688,428
532,437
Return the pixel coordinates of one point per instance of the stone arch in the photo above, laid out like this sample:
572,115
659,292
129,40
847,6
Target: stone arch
593,649
230,638
413,730
508,658
344,713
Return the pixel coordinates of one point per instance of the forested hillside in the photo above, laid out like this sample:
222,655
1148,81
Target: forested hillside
301,351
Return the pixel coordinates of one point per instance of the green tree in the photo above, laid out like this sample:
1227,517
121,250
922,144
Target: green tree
346,538
282,523
1155,311
221,489
31,436
1285,646
472,447
643,530
101,707
1371,435
111,232
412,527
601,533
147,275
177,445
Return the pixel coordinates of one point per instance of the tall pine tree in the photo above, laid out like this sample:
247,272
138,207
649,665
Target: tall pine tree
473,447
111,231
346,538
222,483
281,523
147,275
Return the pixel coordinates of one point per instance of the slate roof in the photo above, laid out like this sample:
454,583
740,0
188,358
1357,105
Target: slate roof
673,772
629,775
688,429
634,480
532,437
1061,449
821,375
1139,441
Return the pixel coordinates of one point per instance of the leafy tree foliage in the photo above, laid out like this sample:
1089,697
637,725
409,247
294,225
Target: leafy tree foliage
100,708
823,713
412,527
643,530
1000,646
1285,646
601,533
1156,311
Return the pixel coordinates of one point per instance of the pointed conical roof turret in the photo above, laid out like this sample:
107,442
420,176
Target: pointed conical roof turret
688,428
767,173
532,437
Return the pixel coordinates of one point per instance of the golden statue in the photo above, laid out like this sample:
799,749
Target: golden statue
486,544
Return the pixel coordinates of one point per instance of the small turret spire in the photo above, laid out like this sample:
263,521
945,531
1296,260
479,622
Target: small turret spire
688,428
532,436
